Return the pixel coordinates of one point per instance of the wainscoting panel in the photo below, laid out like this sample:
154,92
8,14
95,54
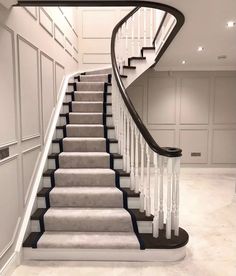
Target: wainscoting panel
7,87
161,101
59,73
9,202
194,144
223,146
59,36
29,90
225,100
46,21
197,91
29,162
103,28
47,87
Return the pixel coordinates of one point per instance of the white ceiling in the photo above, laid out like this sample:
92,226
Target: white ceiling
205,25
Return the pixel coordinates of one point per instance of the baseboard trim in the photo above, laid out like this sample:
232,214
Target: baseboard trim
10,265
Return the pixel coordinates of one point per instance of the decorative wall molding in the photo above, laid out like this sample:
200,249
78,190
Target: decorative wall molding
33,11
8,89
28,85
59,36
46,21
96,58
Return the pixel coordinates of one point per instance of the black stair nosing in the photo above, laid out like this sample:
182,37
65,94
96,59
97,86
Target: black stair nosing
32,239
44,192
131,193
135,58
66,103
53,155
38,214
146,49
57,140
112,140
124,76
49,172
129,67
64,114
141,216
60,127
116,156
162,242
121,172
70,93
110,127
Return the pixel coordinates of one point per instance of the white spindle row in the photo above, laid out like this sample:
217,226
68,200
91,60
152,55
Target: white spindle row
155,177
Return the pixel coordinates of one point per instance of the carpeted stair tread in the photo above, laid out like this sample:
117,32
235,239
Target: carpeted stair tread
93,96
85,177
88,106
86,118
89,240
84,144
85,130
88,220
84,160
90,86
94,78
86,197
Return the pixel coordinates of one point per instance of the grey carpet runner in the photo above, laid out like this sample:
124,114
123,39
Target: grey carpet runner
86,208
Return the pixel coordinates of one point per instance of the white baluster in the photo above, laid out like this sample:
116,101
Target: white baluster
126,40
151,26
173,203
176,217
128,145
132,36
142,186
139,29
161,195
147,195
121,129
145,27
169,184
125,143
136,160
132,179
156,197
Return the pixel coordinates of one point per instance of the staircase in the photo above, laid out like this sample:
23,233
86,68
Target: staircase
95,201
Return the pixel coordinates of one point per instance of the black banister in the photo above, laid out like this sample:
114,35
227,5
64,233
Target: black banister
164,151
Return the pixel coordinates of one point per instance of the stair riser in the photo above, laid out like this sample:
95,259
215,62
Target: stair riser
110,134
124,182
79,108
89,86
85,146
133,203
113,148
89,97
143,226
91,107
93,78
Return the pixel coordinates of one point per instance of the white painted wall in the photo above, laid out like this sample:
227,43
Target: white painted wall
191,110
38,46
95,29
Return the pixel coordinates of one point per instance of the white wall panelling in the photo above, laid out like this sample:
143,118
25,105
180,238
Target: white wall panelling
9,202
191,110
59,36
29,88
33,11
7,87
29,83
45,21
30,158
68,46
59,73
47,90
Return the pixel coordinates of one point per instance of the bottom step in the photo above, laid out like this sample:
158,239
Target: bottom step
127,255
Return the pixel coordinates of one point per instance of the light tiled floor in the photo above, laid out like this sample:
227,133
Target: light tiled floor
208,213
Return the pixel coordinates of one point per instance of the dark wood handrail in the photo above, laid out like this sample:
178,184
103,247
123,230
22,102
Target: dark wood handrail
164,151
159,28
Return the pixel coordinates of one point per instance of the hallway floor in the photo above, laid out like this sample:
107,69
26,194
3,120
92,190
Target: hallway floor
209,217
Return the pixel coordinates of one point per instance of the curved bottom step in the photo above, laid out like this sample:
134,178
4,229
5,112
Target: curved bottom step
128,255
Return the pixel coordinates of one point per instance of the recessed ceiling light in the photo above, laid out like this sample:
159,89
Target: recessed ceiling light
183,62
231,24
200,49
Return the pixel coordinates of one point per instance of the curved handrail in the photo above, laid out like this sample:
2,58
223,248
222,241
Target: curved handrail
164,151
